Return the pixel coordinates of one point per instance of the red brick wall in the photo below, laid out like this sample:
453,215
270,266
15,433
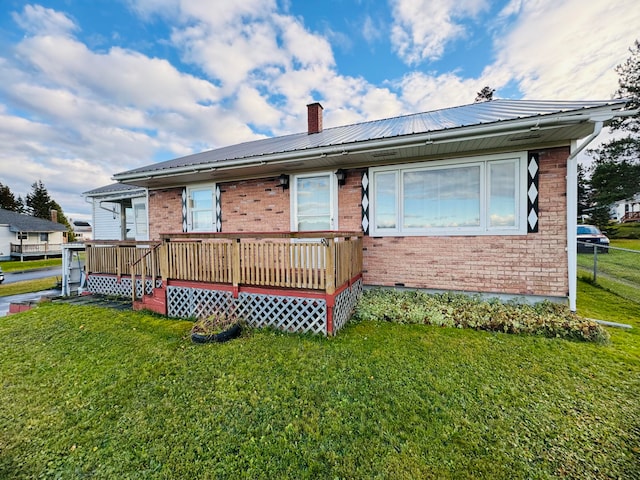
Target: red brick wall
350,202
533,264
255,206
165,212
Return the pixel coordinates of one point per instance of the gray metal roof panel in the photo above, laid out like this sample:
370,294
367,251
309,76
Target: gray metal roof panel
433,121
25,223
112,188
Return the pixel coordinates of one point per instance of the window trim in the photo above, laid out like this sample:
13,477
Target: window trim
484,229
195,187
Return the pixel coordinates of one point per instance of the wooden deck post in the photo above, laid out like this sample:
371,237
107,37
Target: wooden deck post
235,261
133,283
118,266
331,266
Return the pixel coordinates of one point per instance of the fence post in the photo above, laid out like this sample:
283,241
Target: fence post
133,283
595,263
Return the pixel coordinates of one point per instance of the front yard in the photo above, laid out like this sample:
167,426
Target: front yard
91,392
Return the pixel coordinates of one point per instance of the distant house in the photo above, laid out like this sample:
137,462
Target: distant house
480,198
24,236
626,210
82,230
119,212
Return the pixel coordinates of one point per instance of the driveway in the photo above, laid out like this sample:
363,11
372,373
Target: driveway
11,277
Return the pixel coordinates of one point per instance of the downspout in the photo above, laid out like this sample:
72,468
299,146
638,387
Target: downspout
572,211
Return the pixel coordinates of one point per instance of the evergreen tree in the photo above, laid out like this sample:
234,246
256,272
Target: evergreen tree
616,170
485,95
8,200
40,204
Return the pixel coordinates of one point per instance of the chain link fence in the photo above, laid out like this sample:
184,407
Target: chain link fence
616,269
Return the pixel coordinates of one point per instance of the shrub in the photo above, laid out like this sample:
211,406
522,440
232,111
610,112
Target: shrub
464,311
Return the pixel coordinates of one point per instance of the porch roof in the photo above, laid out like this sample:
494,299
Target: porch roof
495,125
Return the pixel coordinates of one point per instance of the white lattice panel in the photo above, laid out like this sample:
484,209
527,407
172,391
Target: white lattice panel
197,302
108,285
345,304
292,314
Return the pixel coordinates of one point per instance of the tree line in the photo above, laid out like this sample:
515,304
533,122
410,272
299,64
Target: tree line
615,172
38,203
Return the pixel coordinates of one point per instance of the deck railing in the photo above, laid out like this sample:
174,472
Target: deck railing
310,260
36,248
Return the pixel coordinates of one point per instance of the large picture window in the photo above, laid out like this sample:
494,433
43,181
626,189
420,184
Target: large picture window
474,196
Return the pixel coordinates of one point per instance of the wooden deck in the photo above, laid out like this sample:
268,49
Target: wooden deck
304,282
312,261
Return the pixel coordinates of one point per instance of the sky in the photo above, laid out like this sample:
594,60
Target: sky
90,88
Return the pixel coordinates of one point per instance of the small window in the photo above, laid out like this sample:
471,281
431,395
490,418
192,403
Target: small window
44,237
201,208
23,236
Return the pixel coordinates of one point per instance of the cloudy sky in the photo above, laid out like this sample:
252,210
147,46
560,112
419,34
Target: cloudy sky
92,88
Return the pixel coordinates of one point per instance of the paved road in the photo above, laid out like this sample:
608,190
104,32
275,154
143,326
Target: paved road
24,297
10,277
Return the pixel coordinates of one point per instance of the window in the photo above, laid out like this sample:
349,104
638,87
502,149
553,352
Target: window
474,196
314,197
201,209
44,237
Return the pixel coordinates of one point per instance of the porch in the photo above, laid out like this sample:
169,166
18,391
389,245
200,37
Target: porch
294,281
30,250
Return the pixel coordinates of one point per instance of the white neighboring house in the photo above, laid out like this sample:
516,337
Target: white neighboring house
627,210
119,212
24,236
82,230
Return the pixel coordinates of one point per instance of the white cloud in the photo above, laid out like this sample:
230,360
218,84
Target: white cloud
39,20
422,29
566,49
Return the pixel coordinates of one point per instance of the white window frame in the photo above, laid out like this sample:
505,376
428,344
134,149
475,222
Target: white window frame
520,227
333,202
190,190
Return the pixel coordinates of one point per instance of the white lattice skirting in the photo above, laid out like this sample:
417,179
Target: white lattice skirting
284,312
345,304
289,313
109,285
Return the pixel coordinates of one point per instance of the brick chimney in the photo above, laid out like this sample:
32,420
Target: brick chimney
314,118
54,215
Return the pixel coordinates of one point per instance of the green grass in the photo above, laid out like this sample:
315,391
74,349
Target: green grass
28,286
17,265
625,230
617,271
91,392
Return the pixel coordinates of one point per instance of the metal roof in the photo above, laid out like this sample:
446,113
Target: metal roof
112,189
472,115
25,223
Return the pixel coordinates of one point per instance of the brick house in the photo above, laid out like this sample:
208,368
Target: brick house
479,198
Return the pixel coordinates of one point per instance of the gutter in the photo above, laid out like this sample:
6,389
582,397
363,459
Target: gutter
426,138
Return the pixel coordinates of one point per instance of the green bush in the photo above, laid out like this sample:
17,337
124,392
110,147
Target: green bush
463,311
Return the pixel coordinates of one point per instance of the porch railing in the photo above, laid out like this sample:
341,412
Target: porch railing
309,260
36,248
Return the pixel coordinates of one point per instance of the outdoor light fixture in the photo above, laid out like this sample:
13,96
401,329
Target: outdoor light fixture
283,181
341,175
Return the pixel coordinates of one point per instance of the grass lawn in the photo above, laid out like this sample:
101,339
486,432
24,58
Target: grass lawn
28,286
17,265
92,392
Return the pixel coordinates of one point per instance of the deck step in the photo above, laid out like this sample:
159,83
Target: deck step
156,302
